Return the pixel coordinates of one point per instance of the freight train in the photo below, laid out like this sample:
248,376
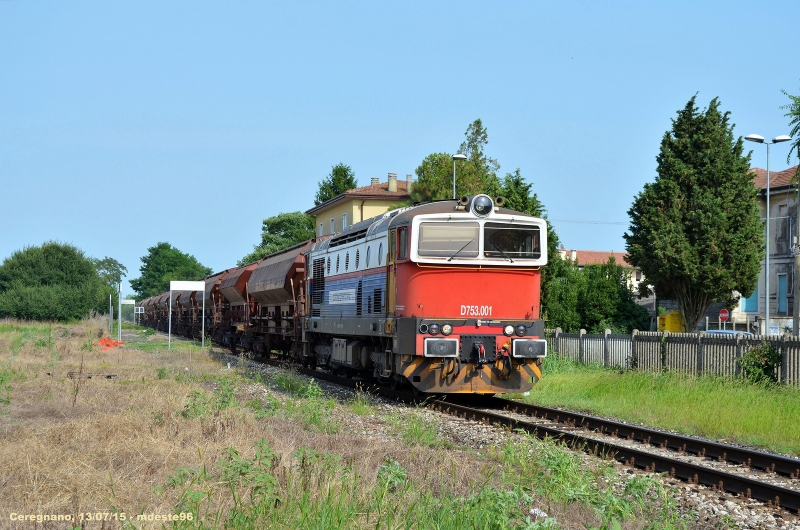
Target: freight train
444,296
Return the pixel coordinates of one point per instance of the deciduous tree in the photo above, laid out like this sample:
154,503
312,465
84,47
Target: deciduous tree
162,264
339,180
55,281
696,232
279,232
111,271
476,174
793,114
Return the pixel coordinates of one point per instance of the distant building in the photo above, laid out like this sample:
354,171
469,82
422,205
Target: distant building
599,257
353,206
782,229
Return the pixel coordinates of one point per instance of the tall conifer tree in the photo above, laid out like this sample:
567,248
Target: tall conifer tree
696,232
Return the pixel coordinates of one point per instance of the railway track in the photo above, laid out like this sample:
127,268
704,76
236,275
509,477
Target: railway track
501,412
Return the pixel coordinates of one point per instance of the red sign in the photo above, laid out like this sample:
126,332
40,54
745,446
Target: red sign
723,315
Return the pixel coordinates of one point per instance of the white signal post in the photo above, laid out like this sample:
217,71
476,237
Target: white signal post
176,285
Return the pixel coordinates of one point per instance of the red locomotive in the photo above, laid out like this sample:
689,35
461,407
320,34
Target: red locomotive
444,296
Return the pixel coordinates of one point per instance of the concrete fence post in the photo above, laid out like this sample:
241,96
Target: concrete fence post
556,337
700,352
607,348
783,376
581,347
737,365
664,338
634,361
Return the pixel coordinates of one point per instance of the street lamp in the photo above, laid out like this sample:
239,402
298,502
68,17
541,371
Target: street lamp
760,140
457,156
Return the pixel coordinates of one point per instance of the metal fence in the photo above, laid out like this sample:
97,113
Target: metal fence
693,353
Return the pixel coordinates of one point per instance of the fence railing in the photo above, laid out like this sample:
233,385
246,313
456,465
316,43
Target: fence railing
693,353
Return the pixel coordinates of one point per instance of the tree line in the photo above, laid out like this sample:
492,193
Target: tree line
695,233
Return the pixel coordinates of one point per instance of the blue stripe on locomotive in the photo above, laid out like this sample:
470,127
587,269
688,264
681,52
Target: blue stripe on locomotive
347,306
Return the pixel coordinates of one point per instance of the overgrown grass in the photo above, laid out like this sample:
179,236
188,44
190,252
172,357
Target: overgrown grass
720,408
240,451
313,489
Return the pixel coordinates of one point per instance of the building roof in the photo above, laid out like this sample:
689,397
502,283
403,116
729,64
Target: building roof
373,191
776,178
595,257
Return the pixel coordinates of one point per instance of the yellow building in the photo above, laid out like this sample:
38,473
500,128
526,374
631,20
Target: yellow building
356,205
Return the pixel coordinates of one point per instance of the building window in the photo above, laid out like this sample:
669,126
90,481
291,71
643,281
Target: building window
783,302
638,276
333,225
750,304
344,221
319,232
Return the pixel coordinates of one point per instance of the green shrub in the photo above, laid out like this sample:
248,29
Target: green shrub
760,365
53,282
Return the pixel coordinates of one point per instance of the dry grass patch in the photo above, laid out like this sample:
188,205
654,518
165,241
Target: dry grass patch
179,431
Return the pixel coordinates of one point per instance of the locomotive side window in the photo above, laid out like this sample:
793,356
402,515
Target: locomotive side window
446,240
380,254
392,245
511,242
402,245
368,249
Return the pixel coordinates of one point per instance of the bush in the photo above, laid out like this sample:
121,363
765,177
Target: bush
760,365
53,282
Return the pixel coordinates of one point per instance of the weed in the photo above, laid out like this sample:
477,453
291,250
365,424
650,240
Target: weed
419,430
290,383
198,406
263,408
361,403
7,375
391,476
161,373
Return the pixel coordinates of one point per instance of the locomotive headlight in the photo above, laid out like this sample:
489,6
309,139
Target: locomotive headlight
433,329
482,205
521,330
447,329
508,330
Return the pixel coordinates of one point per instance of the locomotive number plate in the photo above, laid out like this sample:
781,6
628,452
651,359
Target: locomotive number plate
476,310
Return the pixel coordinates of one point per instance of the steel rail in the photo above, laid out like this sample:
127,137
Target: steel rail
775,496
677,442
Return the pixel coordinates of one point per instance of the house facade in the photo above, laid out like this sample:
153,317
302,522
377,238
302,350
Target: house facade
356,205
783,219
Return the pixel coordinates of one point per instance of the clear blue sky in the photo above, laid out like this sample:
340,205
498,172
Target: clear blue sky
123,124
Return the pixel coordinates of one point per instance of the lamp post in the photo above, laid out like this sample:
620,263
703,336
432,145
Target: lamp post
457,156
760,139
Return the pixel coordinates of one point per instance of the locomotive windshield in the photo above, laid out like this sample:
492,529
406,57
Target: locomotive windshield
443,240
511,242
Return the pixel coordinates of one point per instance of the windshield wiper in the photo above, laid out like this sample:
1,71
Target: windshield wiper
459,250
499,250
